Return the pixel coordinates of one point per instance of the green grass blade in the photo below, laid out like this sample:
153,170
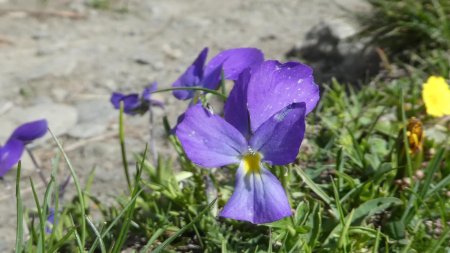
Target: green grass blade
102,244
152,239
431,170
411,240
316,225
343,240
129,214
377,241
114,222
437,244
443,183
314,187
222,96
56,195
47,196
123,147
78,188
42,220
366,210
19,208
77,237
404,135
161,247
62,241
338,203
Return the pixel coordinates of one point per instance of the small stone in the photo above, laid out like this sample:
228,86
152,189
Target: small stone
59,94
95,111
158,65
342,28
437,231
419,174
58,67
172,52
87,130
60,117
407,181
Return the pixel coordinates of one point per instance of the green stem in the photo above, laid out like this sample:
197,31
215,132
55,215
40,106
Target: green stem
214,92
122,146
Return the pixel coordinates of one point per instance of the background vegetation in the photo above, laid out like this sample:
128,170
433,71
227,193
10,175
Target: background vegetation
357,186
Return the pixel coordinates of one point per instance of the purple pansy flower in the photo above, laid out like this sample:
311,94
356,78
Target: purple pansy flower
11,152
232,62
251,134
133,104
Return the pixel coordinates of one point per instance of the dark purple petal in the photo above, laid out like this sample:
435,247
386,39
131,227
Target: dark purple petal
278,139
10,154
235,61
131,103
212,79
191,77
235,109
273,86
258,198
209,140
115,99
146,94
30,131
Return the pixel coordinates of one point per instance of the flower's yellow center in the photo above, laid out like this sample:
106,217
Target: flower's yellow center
252,162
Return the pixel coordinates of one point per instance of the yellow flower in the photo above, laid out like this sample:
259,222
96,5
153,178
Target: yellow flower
436,95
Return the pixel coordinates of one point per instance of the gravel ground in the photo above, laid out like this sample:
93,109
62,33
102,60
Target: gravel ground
62,59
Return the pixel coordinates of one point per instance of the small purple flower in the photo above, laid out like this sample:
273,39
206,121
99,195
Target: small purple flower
232,62
133,104
252,134
11,152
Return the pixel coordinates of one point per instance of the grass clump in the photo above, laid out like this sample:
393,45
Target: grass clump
410,25
357,185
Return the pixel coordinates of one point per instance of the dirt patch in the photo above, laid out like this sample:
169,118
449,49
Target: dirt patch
69,53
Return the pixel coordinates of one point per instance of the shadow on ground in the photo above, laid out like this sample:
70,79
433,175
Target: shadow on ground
333,55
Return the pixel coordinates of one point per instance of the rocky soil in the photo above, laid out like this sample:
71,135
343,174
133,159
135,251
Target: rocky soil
60,60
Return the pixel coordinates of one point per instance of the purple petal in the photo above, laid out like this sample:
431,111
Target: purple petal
131,103
191,77
209,140
235,109
274,86
30,131
115,99
235,61
258,198
10,154
212,79
279,138
146,94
